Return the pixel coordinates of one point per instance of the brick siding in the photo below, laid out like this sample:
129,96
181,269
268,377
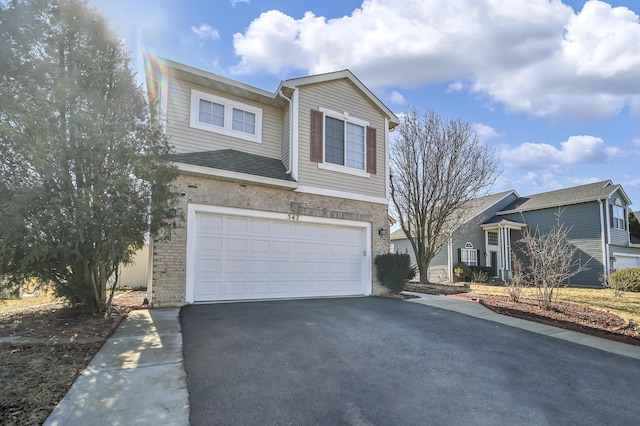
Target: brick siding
169,255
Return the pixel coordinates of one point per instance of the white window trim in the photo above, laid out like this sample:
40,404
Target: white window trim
467,250
343,116
229,105
343,169
619,220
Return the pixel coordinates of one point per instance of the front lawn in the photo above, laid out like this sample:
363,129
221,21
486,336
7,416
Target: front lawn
627,306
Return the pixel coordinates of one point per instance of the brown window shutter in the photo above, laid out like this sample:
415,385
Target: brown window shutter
371,150
316,136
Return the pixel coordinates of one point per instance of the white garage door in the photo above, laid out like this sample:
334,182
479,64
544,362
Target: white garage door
623,262
241,258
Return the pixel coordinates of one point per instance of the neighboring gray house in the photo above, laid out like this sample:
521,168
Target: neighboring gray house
596,214
284,194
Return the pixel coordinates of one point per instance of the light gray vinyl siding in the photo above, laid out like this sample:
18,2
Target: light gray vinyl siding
584,222
475,236
340,96
625,250
404,246
285,136
618,236
187,139
438,266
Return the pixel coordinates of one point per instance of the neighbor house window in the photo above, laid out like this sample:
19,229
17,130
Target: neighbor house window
469,255
340,142
224,116
492,238
618,217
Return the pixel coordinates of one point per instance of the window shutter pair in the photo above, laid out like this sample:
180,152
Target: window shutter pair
317,142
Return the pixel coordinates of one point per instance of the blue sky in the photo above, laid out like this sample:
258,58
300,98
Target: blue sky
553,86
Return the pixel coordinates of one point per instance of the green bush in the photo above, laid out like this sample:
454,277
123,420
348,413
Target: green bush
462,271
394,269
627,279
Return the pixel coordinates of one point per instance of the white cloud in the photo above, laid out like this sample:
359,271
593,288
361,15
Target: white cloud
235,2
575,150
584,181
533,183
205,31
537,56
485,132
636,141
397,98
456,86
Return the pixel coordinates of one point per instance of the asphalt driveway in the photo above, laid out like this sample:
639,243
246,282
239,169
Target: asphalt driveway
376,361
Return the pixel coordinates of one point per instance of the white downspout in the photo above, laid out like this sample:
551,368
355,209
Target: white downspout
450,259
608,243
289,167
605,258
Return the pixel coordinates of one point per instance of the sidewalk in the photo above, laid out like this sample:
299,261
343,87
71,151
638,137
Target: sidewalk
477,310
137,377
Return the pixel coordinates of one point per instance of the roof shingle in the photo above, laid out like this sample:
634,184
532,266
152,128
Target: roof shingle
236,161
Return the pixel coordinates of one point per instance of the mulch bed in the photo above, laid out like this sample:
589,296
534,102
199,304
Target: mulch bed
570,316
35,377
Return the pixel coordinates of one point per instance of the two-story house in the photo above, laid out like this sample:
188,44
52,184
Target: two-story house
283,194
595,215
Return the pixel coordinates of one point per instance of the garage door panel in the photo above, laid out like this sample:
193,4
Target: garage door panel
211,223
238,257
207,243
208,266
623,262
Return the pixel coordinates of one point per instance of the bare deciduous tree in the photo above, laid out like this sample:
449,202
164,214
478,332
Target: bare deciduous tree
549,259
437,168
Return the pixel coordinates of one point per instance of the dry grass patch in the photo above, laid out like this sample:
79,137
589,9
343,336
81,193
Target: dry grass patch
627,306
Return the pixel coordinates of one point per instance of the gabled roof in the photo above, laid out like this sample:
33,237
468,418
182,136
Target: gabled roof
565,197
479,205
292,83
474,208
397,235
227,85
236,161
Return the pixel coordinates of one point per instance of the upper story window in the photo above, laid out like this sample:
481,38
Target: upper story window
492,238
342,143
618,216
224,116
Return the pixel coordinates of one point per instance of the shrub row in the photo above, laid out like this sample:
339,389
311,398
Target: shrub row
626,279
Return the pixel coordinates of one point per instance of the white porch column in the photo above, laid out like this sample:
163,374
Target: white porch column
504,241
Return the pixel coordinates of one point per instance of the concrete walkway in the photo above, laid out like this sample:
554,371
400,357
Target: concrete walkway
477,310
137,377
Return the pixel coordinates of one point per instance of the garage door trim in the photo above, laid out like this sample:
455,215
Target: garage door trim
193,209
628,255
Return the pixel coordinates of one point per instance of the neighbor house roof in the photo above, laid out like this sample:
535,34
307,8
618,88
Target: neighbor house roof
564,197
472,209
236,161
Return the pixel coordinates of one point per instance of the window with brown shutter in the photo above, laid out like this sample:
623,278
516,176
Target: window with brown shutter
371,150
316,136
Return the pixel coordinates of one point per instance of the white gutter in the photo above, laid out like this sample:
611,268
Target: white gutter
290,131
605,258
